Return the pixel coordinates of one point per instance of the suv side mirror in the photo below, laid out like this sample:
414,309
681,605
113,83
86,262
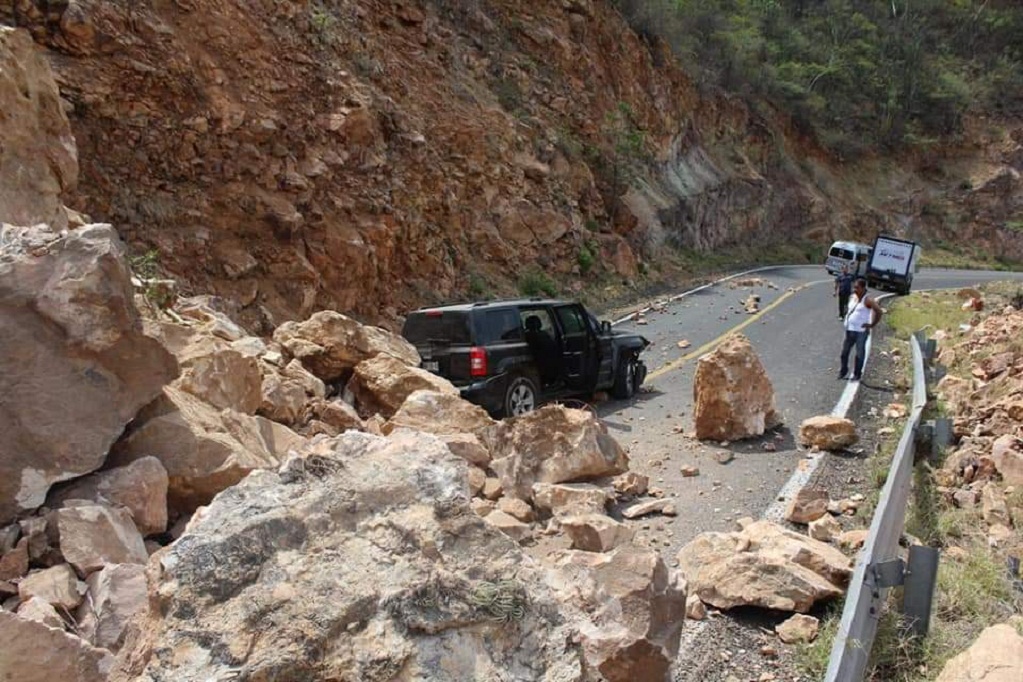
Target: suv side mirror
605,327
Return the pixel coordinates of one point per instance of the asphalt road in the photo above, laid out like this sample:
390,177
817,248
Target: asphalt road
798,337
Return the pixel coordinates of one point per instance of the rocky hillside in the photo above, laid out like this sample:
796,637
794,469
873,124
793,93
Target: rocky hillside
374,155
369,156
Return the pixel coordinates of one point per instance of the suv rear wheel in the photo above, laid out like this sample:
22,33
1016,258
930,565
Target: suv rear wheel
520,397
625,377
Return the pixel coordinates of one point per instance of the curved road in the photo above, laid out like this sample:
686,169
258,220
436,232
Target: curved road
798,336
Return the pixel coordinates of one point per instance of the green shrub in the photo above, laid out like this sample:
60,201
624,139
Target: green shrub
534,283
585,258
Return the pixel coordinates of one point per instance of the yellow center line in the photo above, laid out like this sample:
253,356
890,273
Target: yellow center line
707,347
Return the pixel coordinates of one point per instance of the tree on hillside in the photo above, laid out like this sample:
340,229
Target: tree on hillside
863,75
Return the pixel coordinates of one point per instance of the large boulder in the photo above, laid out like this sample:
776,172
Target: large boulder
14,562
763,565
596,532
38,156
383,383
1007,456
140,487
996,656
117,594
365,563
39,610
808,505
636,606
827,432
76,366
220,375
93,536
568,499
733,396
552,445
57,585
440,413
287,395
35,652
330,344
202,449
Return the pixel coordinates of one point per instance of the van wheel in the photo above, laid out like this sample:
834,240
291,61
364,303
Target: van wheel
625,378
520,397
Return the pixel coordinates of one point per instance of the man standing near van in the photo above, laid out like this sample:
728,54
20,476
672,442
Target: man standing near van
865,315
843,288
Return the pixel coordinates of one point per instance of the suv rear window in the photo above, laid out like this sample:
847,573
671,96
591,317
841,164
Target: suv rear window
447,327
502,325
841,253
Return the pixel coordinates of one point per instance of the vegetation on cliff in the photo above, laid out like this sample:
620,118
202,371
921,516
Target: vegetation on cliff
861,75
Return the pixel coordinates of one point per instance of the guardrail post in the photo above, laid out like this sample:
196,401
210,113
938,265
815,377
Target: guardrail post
941,436
918,589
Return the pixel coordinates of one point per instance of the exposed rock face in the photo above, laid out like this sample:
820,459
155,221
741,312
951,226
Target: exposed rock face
827,432
383,383
552,445
330,344
76,366
38,156
140,487
34,652
996,656
637,608
417,576
763,565
733,396
203,450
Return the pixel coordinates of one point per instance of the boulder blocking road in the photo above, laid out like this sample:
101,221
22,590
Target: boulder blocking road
798,336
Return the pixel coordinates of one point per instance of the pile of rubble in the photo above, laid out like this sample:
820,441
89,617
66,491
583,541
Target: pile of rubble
300,486
984,392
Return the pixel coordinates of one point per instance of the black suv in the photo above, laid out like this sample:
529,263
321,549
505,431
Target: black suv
509,356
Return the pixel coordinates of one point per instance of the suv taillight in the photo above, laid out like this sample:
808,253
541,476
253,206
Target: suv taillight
477,362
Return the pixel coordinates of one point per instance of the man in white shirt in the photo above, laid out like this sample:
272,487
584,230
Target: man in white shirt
864,314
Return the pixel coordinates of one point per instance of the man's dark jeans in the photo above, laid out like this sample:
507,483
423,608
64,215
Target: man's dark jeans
843,303
858,339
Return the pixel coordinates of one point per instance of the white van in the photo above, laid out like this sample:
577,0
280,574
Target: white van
852,254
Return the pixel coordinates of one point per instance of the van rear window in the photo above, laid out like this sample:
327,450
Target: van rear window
844,254
438,327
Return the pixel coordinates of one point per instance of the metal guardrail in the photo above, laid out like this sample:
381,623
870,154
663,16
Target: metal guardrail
879,566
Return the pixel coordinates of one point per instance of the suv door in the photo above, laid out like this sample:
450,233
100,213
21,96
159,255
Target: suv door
605,354
579,350
542,337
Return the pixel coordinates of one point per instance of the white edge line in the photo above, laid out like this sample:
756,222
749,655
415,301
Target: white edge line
802,474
